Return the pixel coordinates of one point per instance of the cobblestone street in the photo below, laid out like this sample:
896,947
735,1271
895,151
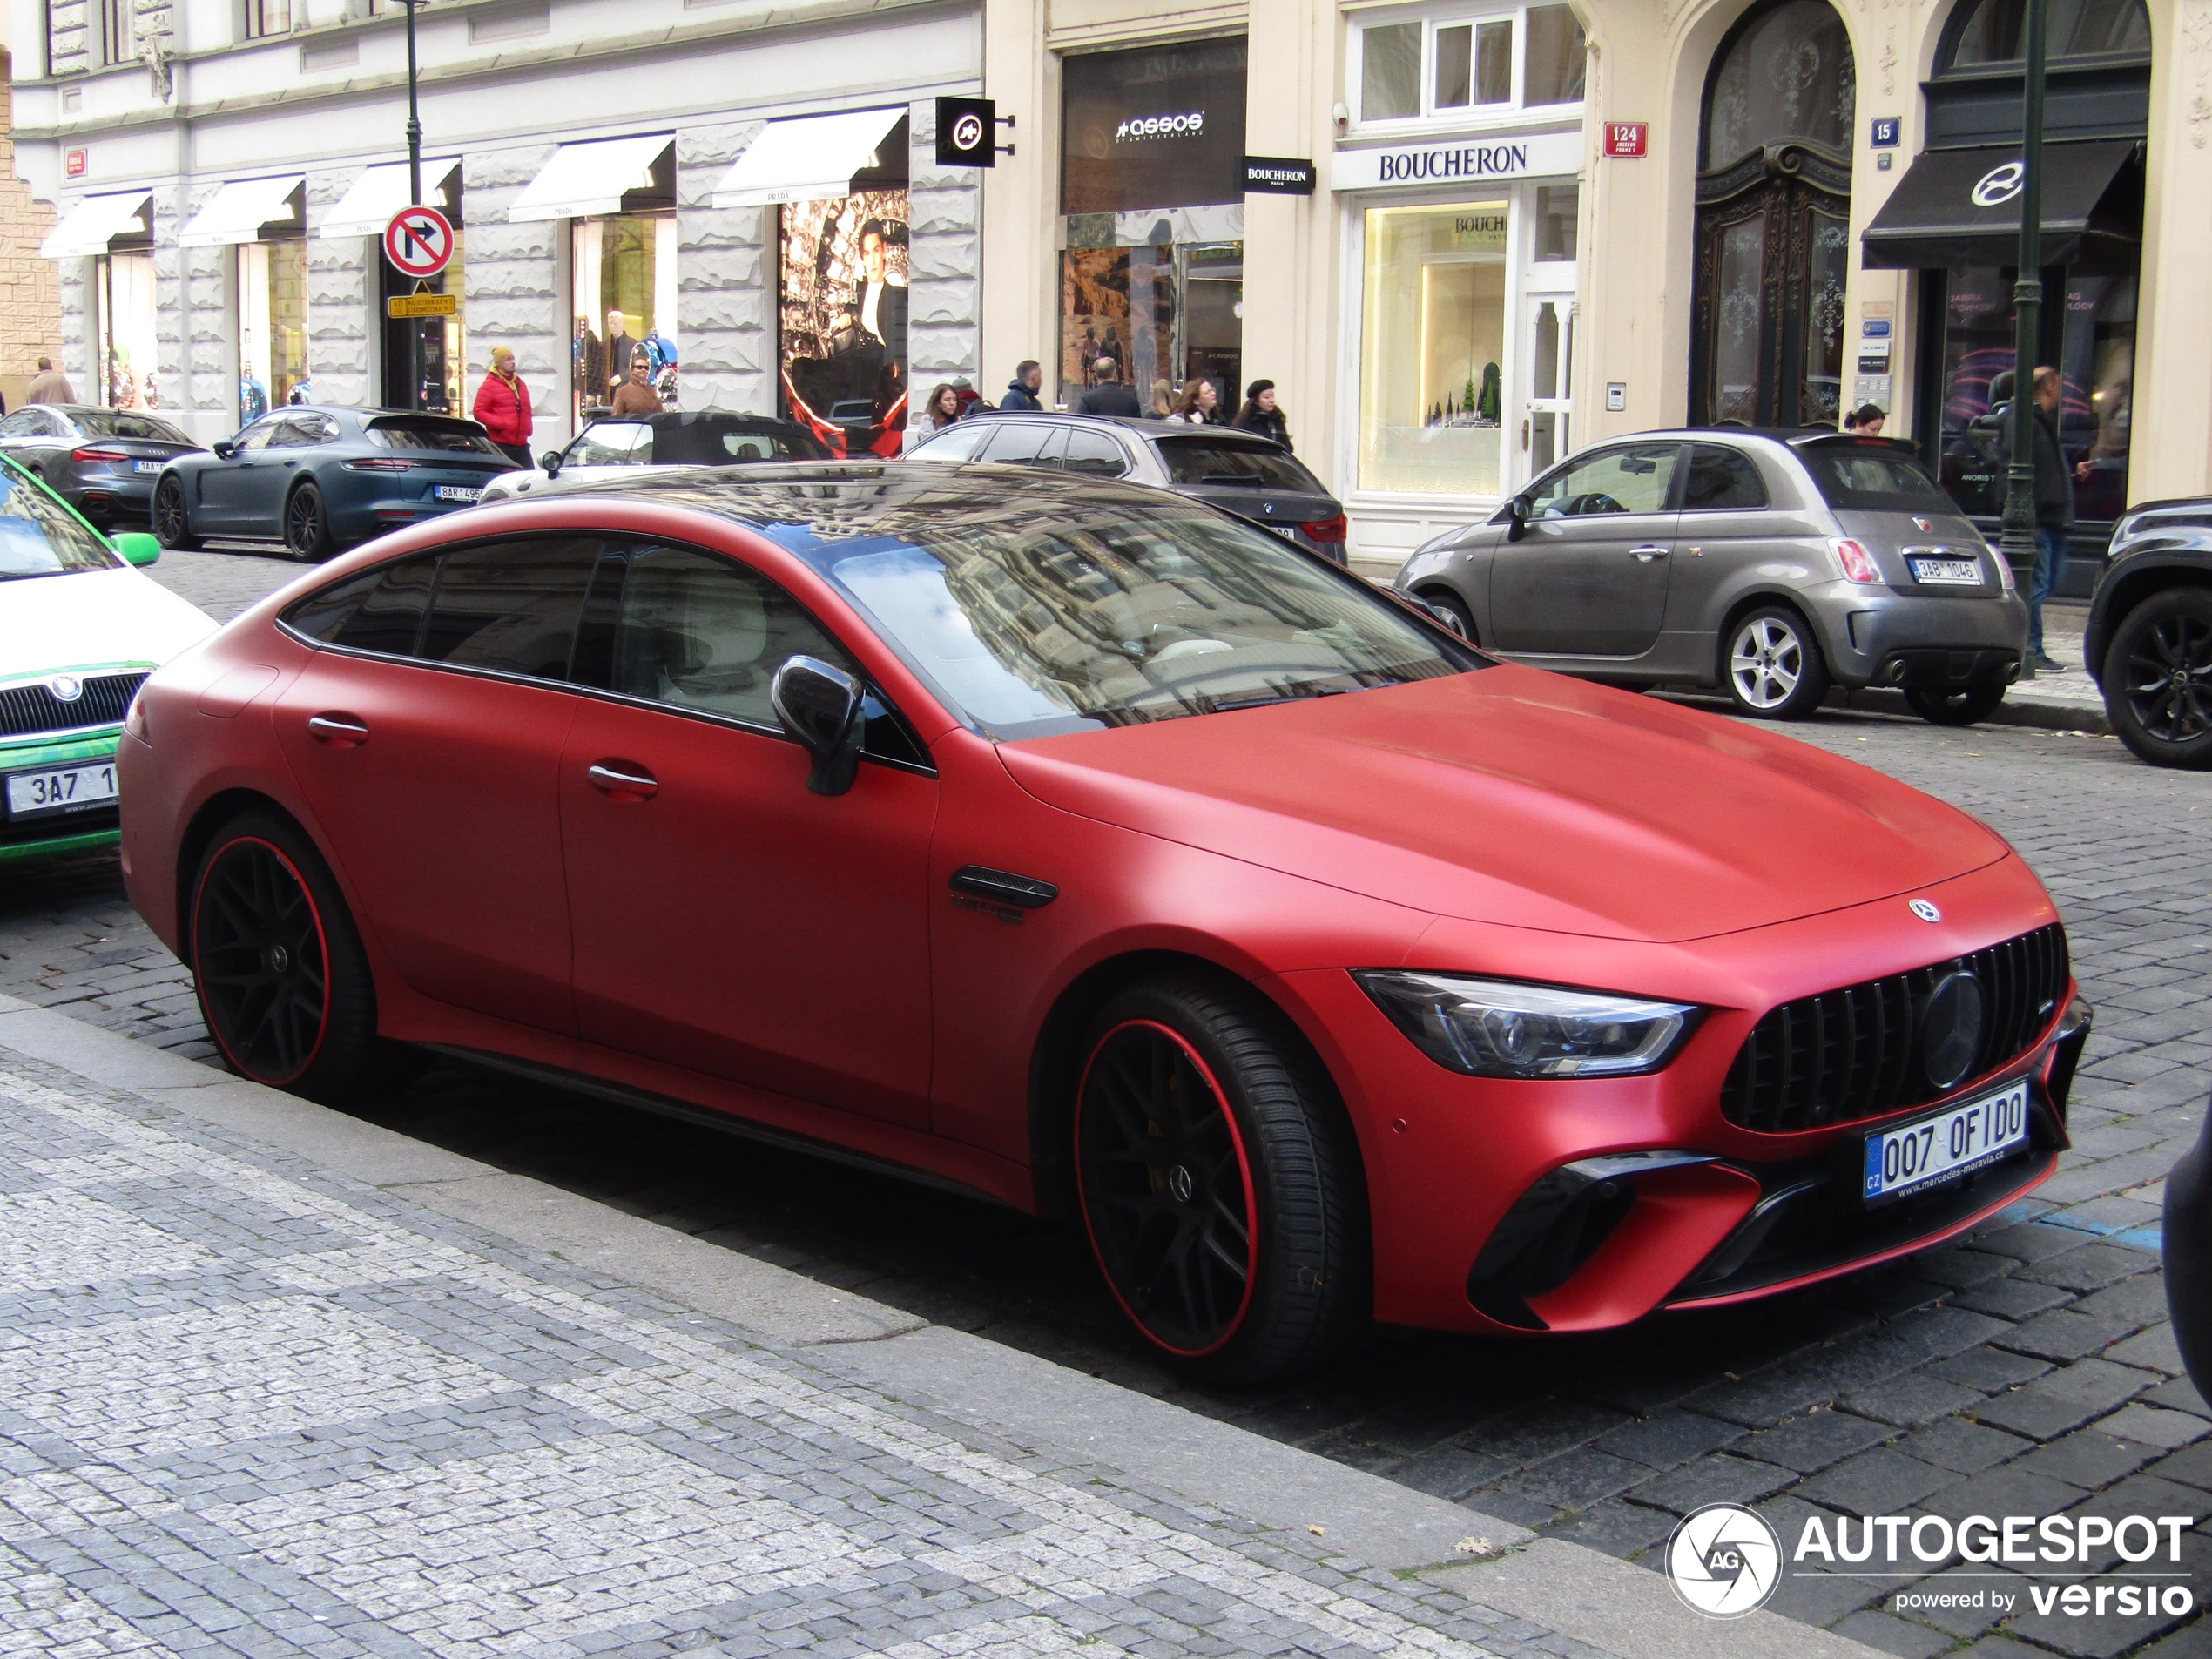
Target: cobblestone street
2026,1371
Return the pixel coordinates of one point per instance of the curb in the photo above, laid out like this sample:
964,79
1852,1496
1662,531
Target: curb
1624,1610
2040,716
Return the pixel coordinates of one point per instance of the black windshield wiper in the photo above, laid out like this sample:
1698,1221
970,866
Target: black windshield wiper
1285,697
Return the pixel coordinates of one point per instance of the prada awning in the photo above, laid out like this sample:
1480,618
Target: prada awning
369,202
1957,208
237,211
87,228
583,179
807,158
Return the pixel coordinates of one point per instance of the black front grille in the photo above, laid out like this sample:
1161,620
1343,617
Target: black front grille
1846,1054
27,709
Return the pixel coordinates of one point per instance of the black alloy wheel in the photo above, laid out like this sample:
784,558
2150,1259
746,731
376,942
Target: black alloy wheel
306,525
1220,1182
283,982
1964,706
2158,679
172,517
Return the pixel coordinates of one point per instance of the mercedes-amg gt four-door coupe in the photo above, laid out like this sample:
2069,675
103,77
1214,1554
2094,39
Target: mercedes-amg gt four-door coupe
1078,843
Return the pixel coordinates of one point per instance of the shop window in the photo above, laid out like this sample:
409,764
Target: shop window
1989,34
123,333
271,327
1433,341
622,274
1453,65
1558,212
843,306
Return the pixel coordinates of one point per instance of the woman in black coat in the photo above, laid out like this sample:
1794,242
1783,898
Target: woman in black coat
1261,413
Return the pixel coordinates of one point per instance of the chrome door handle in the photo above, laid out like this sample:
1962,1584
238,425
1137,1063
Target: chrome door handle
623,780
339,731
1648,552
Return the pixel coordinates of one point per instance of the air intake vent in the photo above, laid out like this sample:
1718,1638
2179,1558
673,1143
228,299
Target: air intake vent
1851,1054
27,710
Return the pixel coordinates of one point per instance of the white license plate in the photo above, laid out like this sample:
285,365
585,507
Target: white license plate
1948,573
146,466
60,789
456,492
1947,1146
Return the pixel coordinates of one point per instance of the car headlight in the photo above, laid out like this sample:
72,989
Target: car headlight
1493,1028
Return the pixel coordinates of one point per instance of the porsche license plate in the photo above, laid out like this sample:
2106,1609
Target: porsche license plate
60,789
146,466
1947,1147
1947,573
456,492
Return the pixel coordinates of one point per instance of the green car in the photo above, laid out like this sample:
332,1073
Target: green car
80,630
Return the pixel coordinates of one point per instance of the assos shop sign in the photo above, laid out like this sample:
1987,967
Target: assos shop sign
1161,126
1459,163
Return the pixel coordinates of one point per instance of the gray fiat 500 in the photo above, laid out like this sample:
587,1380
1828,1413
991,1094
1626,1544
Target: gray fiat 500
1772,564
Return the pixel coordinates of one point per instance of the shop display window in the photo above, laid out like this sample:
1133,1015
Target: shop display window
123,333
271,327
622,275
1431,351
842,318
1453,65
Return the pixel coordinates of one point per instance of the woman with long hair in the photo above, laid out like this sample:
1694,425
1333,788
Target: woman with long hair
1261,413
1200,404
939,412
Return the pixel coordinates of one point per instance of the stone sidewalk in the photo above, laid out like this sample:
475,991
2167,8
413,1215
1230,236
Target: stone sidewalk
250,1406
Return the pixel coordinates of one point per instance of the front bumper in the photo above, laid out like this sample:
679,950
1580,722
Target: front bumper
1880,636
76,832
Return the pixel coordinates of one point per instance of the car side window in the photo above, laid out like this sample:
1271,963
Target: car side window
1095,455
510,606
1721,478
23,423
1636,478
697,631
955,444
1016,443
380,609
612,443
257,437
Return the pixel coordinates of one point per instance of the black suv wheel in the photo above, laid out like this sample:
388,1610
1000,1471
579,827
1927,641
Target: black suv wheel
2158,679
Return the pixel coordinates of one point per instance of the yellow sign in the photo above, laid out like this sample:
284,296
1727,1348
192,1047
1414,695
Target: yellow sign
423,305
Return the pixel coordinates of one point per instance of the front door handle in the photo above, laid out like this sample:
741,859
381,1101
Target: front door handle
1648,552
339,731
623,780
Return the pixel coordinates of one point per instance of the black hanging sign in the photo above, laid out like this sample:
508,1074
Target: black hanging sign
1277,176
967,133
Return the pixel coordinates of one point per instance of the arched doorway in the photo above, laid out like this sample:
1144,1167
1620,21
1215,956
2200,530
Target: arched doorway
1774,220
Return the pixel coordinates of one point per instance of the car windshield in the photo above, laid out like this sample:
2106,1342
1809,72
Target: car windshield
1876,480
451,435
112,423
40,536
1050,617
1253,465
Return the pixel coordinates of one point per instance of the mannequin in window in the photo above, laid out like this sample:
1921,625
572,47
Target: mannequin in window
879,311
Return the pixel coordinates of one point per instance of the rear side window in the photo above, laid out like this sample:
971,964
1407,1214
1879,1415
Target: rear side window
1722,478
1093,454
1874,480
410,433
957,443
1251,466
380,609
510,606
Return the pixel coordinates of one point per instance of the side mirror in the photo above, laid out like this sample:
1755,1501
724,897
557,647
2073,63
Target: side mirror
222,449
821,706
551,461
1517,517
137,546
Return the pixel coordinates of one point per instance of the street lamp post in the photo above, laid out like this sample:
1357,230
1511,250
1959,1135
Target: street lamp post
2019,536
415,200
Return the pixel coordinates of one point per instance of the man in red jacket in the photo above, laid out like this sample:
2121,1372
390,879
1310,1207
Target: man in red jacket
504,407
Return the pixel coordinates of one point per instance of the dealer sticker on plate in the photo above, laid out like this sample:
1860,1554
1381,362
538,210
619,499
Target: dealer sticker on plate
60,789
1950,1145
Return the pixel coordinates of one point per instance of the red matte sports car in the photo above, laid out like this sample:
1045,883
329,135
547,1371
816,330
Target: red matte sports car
1075,844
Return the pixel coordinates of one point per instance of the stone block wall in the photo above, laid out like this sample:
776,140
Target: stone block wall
945,211
76,298
30,305
725,300
209,395
515,277
172,208
71,46
343,303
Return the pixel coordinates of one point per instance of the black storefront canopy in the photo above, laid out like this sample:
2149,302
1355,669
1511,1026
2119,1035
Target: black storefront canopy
1961,208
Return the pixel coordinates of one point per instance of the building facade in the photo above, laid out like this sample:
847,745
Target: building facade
1533,224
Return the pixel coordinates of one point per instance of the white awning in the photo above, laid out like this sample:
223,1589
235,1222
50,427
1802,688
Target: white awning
238,210
585,178
369,202
84,230
806,158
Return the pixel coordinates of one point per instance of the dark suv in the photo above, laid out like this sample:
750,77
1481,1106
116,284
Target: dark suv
1240,472
2148,642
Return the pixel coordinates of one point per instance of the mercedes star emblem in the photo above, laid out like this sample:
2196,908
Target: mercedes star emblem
66,688
1925,911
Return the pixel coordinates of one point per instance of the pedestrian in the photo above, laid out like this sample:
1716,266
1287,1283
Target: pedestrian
49,385
636,396
1867,422
620,347
1161,404
1261,413
1022,390
2054,512
1111,395
1200,404
502,407
941,411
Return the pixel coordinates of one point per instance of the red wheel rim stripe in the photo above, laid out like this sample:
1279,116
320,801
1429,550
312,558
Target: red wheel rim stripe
322,946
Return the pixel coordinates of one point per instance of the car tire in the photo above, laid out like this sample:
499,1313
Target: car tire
2164,720
1964,706
1219,1182
1452,610
306,525
172,517
1771,666
282,977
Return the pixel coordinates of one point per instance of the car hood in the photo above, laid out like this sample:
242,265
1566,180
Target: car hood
1521,798
92,618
